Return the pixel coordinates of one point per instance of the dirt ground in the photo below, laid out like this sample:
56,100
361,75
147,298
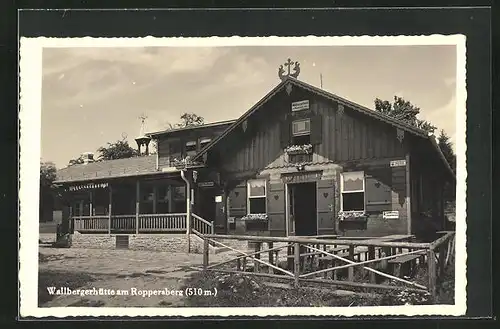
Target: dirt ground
160,275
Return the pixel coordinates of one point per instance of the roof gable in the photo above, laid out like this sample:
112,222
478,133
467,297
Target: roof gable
294,83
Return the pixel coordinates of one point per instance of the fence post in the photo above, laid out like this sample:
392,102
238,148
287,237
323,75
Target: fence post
270,246
205,253
296,263
350,270
256,264
110,208
431,264
441,260
137,205
371,255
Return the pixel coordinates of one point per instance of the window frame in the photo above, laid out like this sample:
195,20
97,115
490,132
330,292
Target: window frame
301,133
190,143
256,197
355,191
204,141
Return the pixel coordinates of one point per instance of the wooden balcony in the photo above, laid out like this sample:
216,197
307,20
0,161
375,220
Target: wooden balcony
127,224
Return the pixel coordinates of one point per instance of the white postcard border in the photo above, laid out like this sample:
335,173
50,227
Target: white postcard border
30,133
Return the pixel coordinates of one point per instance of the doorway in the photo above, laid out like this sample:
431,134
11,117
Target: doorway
206,203
302,211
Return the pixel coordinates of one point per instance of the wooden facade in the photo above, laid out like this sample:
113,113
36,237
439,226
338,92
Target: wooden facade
304,162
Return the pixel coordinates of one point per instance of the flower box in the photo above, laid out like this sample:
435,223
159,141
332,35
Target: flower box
255,217
184,162
352,216
299,149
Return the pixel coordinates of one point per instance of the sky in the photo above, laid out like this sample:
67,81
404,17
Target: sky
92,96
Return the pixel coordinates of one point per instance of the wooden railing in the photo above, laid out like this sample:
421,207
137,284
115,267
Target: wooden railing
122,223
162,222
201,226
148,223
91,223
348,262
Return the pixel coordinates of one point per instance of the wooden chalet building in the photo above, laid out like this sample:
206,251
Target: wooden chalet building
301,161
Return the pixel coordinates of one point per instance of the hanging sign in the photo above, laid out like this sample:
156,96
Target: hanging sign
398,163
302,105
390,214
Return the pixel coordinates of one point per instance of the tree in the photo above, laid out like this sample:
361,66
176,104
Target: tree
447,148
117,150
187,120
76,161
404,111
47,177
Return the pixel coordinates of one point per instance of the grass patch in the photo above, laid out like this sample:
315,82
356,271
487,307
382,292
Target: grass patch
237,290
59,279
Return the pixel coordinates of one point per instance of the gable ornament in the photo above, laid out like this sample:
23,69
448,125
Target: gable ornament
244,125
289,89
294,73
400,134
341,109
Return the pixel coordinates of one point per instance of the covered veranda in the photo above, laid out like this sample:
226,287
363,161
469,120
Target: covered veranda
133,205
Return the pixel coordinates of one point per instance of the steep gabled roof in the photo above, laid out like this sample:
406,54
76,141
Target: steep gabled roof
323,93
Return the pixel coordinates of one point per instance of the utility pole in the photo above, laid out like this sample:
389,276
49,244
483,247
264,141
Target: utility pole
321,80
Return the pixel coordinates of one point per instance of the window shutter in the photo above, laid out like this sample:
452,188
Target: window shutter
286,131
316,129
238,201
378,191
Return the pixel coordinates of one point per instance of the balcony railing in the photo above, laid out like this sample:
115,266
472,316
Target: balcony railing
148,223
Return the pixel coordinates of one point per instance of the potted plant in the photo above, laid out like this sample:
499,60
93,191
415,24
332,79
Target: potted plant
255,217
299,149
352,215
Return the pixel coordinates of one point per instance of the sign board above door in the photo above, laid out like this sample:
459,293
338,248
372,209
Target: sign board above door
398,163
301,177
302,105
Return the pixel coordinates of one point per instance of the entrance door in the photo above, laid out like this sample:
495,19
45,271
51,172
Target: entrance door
206,204
304,208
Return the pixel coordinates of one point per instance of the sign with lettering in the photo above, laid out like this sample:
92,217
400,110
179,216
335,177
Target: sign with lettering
206,184
302,105
301,177
398,163
390,214
88,186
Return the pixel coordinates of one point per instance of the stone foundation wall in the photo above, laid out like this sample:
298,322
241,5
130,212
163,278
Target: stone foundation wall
148,242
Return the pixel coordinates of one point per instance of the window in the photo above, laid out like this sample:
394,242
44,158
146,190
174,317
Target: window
257,196
204,142
301,127
352,187
191,148
301,132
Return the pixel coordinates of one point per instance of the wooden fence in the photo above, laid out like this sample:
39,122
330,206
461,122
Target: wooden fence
338,261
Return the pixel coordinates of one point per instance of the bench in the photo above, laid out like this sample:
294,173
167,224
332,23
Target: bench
405,265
